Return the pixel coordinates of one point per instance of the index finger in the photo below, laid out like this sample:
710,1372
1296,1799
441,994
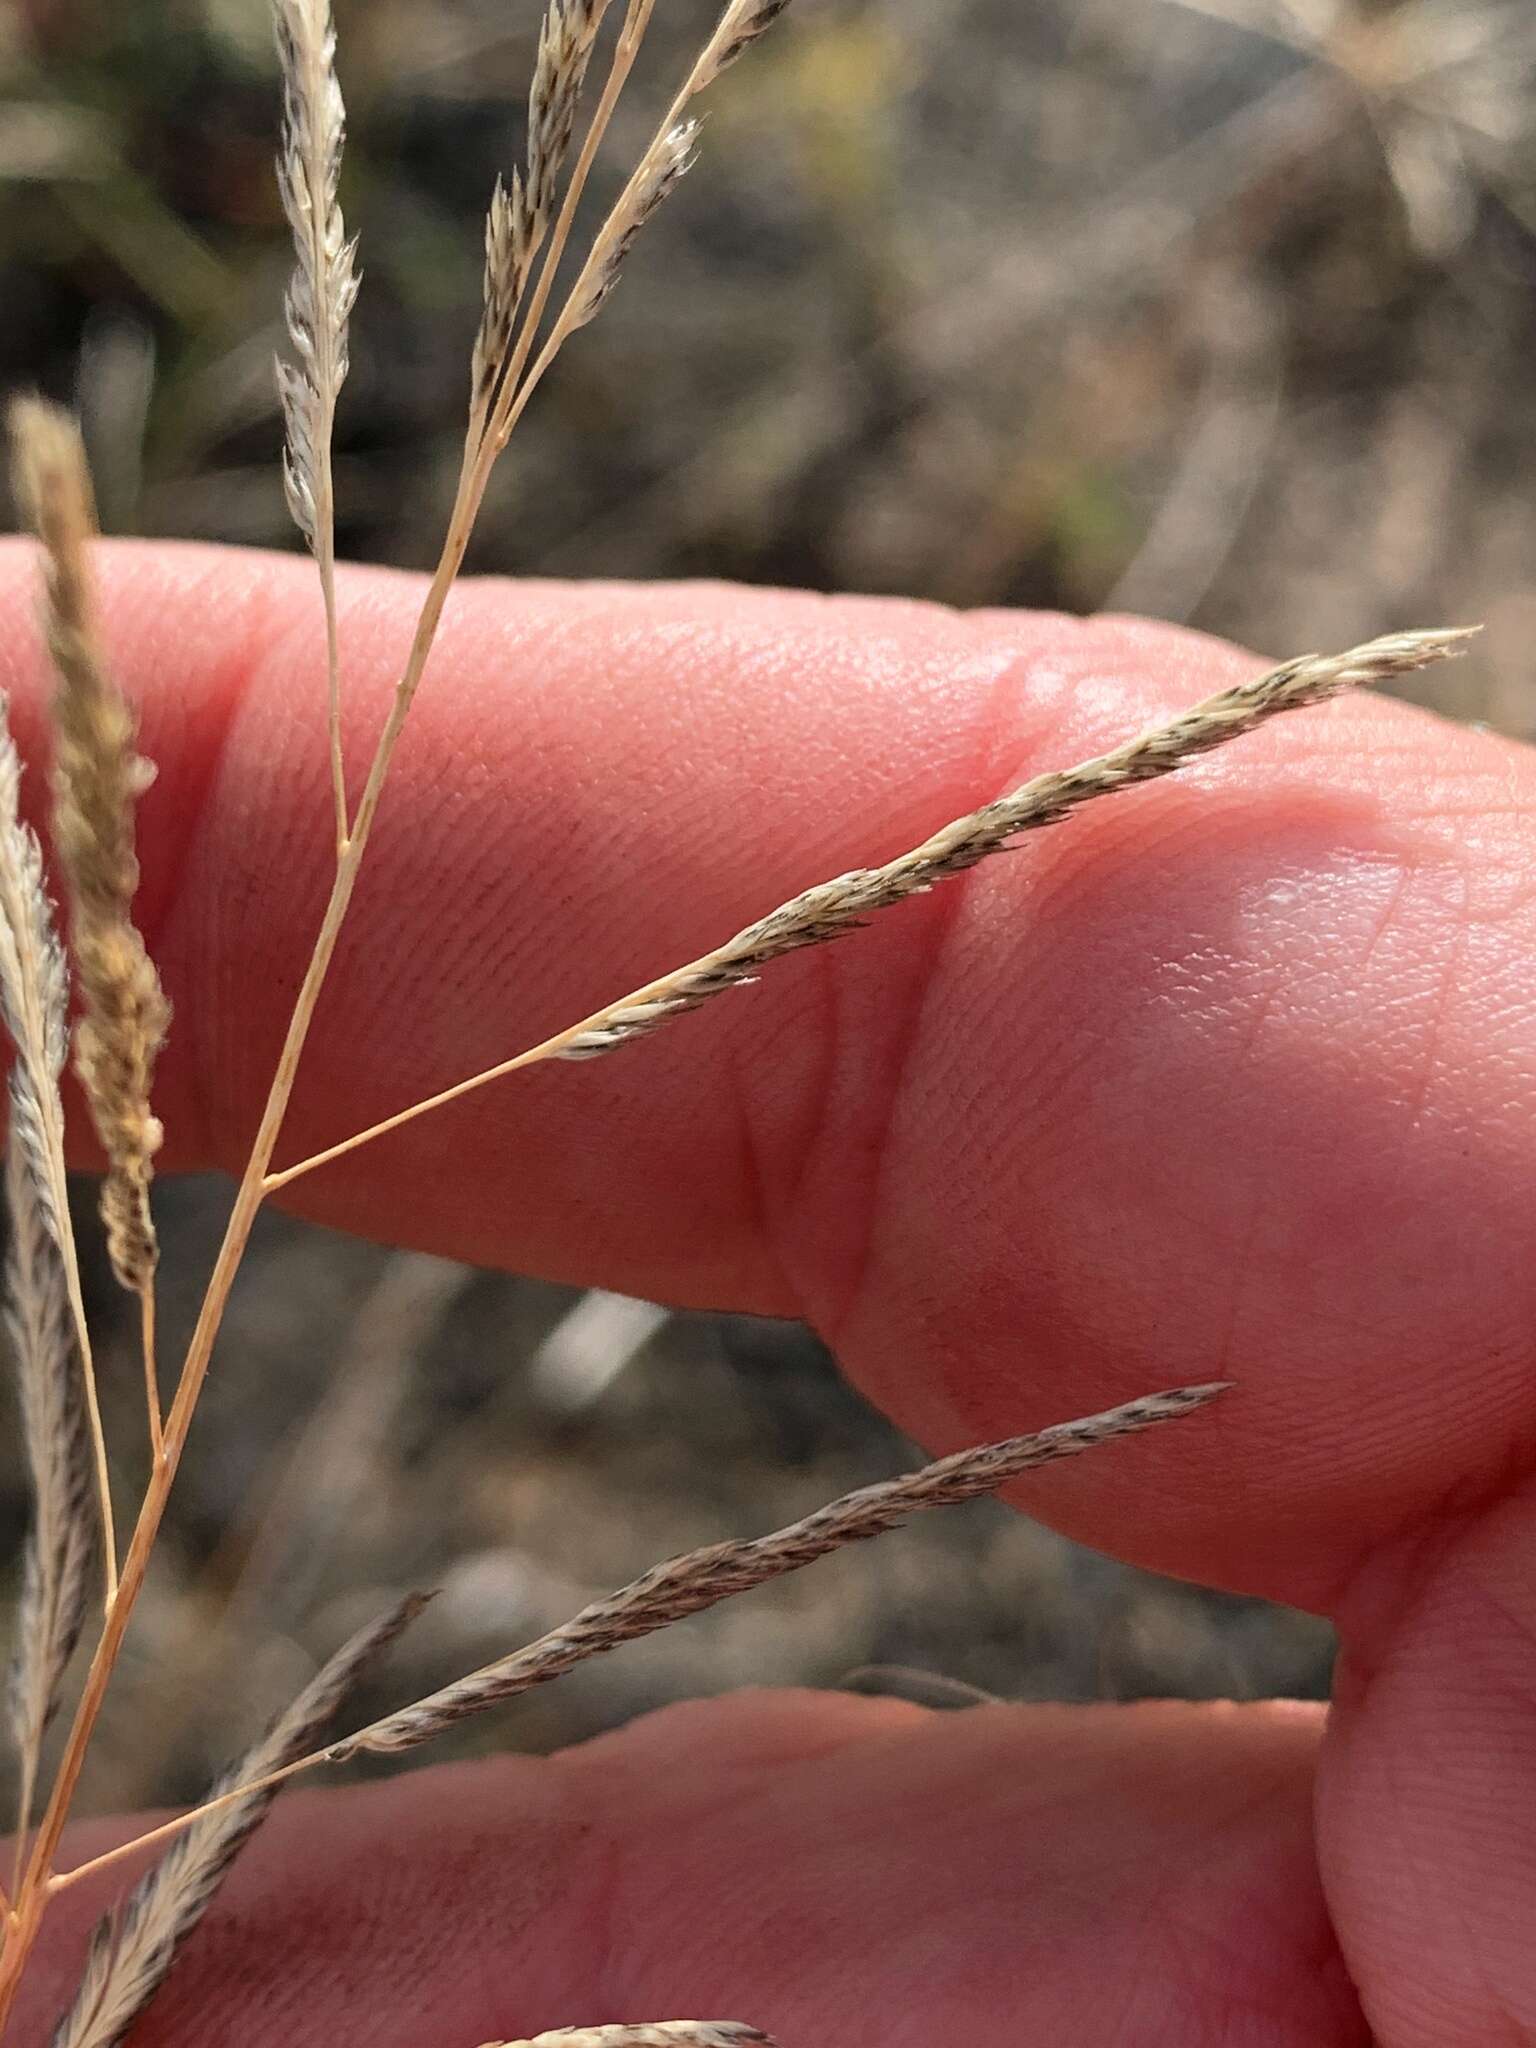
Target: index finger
1229,1077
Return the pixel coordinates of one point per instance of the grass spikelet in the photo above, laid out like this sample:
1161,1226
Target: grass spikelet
687,1585
667,162
318,307
739,28
133,1949
662,2034
61,1545
97,781
508,254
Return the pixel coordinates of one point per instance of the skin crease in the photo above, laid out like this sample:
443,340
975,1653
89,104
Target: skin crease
1231,1076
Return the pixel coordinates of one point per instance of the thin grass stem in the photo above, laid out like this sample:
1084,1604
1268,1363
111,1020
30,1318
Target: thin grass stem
151,1376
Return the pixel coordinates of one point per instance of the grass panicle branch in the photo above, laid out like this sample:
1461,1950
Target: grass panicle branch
97,781
697,1580
661,2034
660,168
508,255
839,906
132,1950
686,1585
61,1544
318,307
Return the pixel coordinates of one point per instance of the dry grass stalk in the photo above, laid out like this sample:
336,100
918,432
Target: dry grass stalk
662,2034
700,1579
841,905
834,908
133,1950
61,1545
318,307
687,1585
97,781
34,1000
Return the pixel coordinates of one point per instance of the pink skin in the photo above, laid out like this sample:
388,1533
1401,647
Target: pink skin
1233,1076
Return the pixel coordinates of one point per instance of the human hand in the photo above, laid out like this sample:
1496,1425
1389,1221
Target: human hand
1232,1077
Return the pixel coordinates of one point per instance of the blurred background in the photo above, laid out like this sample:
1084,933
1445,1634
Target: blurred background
1224,312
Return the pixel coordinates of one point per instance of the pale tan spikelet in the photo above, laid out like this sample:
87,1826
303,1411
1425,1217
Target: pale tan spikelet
687,1585
133,1948
38,1314
318,307
61,1544
34,995
97,780
666,163
661,2034
840,905
325,281
738,29
508,254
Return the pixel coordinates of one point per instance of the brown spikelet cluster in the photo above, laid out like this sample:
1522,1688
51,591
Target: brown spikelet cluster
97,781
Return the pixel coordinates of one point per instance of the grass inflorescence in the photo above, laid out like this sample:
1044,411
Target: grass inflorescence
97,778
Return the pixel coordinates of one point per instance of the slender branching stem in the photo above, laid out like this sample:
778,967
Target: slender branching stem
94,1422
33,1892
326,557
